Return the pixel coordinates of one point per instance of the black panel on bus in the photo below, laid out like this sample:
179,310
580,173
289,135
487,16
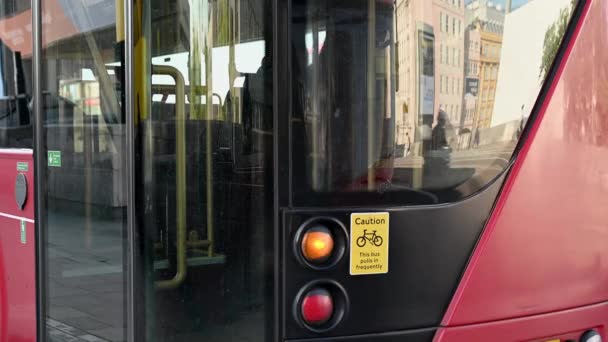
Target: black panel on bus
429,248
410,336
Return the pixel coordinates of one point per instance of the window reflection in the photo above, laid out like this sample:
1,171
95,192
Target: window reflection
85,192
418,96
204,182
15,75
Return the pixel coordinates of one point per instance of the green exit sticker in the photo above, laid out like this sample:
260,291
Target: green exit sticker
22,166
54,158
23,232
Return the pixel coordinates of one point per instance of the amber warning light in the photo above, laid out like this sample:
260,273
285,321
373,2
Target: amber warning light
317,244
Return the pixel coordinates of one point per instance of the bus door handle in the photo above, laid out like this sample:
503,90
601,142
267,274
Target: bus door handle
180,175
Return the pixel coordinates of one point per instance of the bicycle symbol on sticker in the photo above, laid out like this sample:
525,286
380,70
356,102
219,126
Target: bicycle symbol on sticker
375,240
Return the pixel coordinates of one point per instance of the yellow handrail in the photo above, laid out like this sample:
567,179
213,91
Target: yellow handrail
180,174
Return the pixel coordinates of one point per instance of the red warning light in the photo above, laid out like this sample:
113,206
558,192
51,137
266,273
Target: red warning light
317,307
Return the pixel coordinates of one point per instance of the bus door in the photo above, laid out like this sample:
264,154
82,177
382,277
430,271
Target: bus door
203,96
190,163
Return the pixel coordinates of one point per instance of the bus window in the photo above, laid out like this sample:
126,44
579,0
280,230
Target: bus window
430,123
15,77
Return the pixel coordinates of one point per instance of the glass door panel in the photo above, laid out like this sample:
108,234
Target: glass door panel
85,172
203,99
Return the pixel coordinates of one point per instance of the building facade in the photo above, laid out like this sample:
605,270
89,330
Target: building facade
472,55
446,20
489,61
449,16
483,43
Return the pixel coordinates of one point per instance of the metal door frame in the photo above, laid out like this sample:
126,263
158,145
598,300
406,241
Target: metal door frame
39,160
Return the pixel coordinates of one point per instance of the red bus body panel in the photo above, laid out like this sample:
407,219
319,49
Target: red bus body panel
561,325
541,265
17,259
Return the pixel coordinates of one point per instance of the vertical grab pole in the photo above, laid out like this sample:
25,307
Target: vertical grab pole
39,172
133,264
315,117
371,93
209,133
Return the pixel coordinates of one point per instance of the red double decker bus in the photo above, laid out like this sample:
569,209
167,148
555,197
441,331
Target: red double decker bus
303,170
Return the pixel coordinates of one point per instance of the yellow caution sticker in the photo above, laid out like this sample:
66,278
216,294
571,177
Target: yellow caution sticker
369,243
